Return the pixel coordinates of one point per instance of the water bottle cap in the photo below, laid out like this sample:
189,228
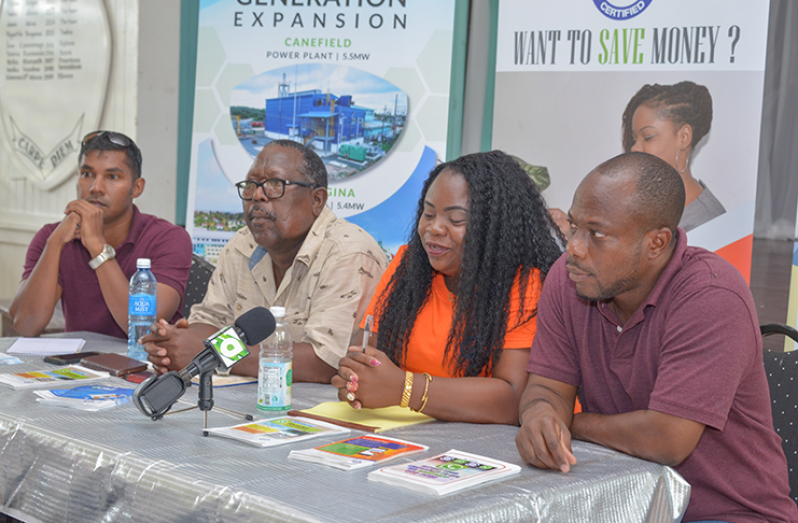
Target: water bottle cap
277,312
143,263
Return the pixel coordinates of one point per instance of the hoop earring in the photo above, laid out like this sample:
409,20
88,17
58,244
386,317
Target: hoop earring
686,162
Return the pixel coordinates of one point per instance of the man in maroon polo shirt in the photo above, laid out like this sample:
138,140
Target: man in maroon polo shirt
87,259
663,340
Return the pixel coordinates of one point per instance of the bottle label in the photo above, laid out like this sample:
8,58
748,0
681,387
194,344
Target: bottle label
141,305
274,385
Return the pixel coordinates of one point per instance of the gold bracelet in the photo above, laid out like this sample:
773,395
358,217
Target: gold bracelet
408,389
424,397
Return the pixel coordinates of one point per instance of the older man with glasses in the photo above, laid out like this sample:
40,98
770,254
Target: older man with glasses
86,260
293,253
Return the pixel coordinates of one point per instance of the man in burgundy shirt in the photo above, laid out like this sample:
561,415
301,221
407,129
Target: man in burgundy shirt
87,259
663,340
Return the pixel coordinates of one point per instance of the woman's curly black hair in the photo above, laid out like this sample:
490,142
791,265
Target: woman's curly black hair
509,233
682,103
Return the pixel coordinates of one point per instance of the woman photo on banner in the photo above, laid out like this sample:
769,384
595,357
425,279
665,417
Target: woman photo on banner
455,312
669,121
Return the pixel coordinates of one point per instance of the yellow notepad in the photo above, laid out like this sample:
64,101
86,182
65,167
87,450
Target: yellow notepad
370,420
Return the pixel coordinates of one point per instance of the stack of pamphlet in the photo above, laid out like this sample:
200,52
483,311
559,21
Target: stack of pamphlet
276,431
445,473
359,452
86,397
44,378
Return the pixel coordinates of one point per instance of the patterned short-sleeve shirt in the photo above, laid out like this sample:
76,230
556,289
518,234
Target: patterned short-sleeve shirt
325,292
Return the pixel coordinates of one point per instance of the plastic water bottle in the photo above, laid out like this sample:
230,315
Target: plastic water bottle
142,308
275,371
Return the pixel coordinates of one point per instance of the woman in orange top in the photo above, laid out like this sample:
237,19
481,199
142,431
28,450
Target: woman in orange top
455,311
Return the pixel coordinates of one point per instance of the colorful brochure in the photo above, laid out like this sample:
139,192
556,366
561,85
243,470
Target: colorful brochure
86,397
359,452
276,431
43,378
445,473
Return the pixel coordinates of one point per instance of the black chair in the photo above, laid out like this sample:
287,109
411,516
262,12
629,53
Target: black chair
782,370
197,284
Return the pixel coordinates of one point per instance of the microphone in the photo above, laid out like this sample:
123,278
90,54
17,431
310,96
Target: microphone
156,395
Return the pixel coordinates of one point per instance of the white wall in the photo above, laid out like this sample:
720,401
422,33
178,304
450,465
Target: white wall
142,103
476,74
158,88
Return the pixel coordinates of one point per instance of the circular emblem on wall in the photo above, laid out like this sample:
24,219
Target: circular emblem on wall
615,12
57,59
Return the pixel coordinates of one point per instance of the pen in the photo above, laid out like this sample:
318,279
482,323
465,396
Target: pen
341,423
367,331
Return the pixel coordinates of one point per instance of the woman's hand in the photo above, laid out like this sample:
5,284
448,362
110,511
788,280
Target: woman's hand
369,379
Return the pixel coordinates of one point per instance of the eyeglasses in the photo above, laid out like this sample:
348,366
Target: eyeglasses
116,139
273,188
113,137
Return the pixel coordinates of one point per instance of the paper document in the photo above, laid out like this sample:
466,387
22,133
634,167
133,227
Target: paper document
369,420
58,376
276,431
358,452
46,346
88,397
449,472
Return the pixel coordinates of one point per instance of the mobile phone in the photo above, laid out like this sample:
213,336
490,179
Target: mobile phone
67,359
138,377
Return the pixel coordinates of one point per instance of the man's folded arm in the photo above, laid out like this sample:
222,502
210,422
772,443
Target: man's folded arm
648,434
545,411
168,301
115,289
33,306
171,265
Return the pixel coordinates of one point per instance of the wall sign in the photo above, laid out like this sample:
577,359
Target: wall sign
56,59
365,84
566,70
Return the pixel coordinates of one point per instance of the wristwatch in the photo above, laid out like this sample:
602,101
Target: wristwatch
107,253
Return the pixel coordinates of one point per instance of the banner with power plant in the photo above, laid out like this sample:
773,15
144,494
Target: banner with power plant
580,81
366,85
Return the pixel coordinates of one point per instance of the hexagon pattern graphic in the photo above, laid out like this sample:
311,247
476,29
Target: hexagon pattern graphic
206,110
437,77
210,48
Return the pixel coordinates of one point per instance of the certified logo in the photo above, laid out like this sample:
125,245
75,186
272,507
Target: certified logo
615,12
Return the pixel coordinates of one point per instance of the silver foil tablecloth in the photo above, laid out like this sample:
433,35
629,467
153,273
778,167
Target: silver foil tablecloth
64,465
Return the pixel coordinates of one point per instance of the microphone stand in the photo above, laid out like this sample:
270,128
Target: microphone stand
205,401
